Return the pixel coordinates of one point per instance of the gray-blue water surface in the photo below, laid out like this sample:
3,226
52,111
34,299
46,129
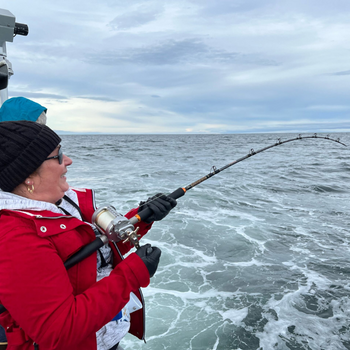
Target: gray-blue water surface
256,257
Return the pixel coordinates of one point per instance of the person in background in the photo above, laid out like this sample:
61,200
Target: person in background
44,222
21,108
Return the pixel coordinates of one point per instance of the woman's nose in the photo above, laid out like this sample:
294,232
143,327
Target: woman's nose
67,161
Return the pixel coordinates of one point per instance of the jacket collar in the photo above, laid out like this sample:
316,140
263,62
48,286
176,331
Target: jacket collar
12,201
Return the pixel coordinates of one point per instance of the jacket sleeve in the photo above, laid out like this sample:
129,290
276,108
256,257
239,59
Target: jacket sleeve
37,291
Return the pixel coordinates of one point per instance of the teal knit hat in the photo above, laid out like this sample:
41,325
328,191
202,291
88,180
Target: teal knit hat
20,108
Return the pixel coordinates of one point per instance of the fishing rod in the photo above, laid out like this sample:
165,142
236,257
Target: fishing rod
115,227
144,214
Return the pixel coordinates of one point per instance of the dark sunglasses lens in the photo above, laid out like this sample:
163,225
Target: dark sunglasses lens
60,156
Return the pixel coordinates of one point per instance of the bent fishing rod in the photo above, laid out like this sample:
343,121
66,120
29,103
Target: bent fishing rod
115,227
181,191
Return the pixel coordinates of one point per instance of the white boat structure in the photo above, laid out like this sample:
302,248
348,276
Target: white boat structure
9,28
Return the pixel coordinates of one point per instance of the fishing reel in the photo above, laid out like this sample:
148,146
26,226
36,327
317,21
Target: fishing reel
115,226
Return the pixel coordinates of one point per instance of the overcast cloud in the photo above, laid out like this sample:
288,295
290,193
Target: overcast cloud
194,66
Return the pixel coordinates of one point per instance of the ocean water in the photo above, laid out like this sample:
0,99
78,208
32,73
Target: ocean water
256,257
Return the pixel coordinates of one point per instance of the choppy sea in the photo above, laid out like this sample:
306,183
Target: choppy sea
256,257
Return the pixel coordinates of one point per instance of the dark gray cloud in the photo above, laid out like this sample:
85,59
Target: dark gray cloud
35,95
269,7
176,52
228,6
99,98
172,52
345,72
132,19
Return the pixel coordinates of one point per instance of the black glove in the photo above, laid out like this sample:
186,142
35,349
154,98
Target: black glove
150,256
160,204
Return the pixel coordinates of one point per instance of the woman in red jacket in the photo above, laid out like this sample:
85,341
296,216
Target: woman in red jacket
43,223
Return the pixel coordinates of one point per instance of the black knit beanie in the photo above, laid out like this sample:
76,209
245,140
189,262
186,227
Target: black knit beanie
24,146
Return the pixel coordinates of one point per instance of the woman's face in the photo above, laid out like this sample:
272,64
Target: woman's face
49,181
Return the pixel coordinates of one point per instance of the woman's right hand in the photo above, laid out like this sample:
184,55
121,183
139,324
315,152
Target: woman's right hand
150,256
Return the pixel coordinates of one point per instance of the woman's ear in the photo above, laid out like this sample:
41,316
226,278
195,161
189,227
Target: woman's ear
28,181
26,186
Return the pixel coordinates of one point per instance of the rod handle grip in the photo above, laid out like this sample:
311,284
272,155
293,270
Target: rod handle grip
145,213
84,252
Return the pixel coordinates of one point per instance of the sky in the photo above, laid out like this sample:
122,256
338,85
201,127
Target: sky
185,66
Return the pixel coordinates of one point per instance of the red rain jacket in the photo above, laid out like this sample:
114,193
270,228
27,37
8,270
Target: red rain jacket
53,307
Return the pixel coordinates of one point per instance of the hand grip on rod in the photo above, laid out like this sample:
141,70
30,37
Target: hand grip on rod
145,213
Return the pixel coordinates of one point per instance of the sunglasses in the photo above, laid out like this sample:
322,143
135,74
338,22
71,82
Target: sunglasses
59,156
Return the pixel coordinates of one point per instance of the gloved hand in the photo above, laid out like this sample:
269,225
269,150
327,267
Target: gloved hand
160,204
150,256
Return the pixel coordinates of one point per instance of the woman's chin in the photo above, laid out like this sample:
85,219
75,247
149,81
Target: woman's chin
65,187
